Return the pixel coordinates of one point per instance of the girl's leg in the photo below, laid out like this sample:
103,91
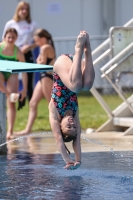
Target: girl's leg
36,97
76,69
2,86
12,87
47,84
87,67
71,72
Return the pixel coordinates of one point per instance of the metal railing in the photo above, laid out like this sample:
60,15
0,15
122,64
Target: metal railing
106,42
101,62
117,57
118,60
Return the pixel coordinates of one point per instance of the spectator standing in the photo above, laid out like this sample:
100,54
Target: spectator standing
43,88
10,52
25,28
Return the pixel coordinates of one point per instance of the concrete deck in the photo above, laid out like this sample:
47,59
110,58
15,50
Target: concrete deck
97,142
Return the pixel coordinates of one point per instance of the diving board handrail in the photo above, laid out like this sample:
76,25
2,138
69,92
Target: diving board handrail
114,59
129,23
119,93
100,47
117,64
106,53
107,41
105,47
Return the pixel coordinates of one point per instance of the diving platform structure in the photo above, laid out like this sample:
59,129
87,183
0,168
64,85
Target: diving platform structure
114,60
14,67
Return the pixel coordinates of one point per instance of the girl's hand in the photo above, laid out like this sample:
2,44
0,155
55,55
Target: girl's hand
77,165
38,60
25,48
69,164
23,94
72,166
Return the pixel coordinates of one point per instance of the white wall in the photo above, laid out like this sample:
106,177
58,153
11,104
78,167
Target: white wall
73,16
7,10
93,15
63,23
123,12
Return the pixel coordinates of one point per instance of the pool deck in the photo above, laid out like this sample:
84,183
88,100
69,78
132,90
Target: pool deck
97,142
115,140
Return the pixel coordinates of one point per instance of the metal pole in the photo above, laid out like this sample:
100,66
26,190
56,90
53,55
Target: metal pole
3,149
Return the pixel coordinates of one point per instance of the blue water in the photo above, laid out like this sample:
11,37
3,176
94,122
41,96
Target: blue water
101,176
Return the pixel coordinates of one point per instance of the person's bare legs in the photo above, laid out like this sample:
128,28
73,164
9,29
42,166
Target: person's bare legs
88,70
75,72
12,87
36,97
82,75
2,86
47,84
71,72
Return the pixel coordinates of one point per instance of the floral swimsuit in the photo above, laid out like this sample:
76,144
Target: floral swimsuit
63,98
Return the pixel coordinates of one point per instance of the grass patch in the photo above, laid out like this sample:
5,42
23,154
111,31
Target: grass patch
90,112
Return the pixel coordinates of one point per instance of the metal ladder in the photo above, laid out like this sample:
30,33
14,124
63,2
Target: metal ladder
123,115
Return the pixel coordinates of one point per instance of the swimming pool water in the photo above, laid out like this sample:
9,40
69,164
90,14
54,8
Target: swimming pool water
101,176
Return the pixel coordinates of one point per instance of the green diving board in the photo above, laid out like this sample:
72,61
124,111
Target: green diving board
17,67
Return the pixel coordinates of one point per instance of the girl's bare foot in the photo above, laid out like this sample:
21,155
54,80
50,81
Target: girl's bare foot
23,132
9,136
81,39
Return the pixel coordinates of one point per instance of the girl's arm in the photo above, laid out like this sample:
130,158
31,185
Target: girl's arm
21,58
42,56
77,143
28,47
57,134
59,141
76,148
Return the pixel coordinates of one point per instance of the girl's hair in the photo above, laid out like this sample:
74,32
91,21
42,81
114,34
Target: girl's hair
68,139
44,33
11,30
19,6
